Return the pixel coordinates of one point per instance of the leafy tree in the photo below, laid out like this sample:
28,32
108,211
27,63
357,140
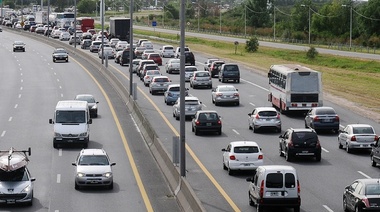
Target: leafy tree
252,45
371,17
257,13
10,3
86,6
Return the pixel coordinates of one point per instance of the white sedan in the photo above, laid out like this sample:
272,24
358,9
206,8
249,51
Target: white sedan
242,155
357,136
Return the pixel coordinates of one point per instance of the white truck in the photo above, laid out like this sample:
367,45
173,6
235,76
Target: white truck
41,17
71,123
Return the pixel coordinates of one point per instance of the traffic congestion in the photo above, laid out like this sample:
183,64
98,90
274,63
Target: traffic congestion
287,117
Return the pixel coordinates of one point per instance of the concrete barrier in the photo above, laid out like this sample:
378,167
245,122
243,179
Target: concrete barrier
180,187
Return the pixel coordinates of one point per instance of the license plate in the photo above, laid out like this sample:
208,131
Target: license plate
69,141
274,194
247,164
208,124
305,151
11,201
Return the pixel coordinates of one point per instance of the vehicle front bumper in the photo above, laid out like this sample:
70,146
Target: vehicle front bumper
95,180
15,198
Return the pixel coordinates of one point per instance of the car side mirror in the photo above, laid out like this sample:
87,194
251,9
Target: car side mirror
51,121
32,179
74,164
112,164
237,89
223,150
249,114
249,179
281,136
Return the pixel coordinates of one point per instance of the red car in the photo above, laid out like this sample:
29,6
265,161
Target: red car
156,58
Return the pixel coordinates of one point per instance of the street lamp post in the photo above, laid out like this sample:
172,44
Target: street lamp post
302,5
220,18
245,20
75,23
274,23
343,5
198,16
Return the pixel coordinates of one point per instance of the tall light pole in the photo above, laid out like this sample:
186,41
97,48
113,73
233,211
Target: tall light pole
245,20
75,23
131,91
199,14
344,5
302,5
220,17
274,23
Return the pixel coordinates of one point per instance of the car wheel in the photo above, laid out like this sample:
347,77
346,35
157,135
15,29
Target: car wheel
280,151
219,132
296,209
223,80
111,186
278,129
192,128
373,162
230,171
224,166
348,149
85,145
55,145
306,125
345,204
177,118
255,130
259,208
288,157
251,202
196,131
318,157
76,186
54,60
340,145
358,208
238,81
216,103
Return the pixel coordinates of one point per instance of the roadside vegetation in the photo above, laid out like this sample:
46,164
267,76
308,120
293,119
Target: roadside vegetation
353,79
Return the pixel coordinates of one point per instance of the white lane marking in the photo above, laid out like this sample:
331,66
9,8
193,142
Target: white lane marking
56,211
57,80
19,96
16,105
58,178
364,175
55,73
61,94
60,87
252,104
21,88
254,84
22,80
134,122
3,133
235,131
21,70
60,152
325,149
327,208
204,105
10,118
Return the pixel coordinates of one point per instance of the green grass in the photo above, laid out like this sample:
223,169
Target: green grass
356,80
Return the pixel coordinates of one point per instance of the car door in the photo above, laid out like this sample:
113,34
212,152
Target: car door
251,117
376,151
308,118
350,196
283,141
226,155
344,135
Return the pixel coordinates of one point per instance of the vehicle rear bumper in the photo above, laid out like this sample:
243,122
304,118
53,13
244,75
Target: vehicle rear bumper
280,202
304,152
326,126
245,165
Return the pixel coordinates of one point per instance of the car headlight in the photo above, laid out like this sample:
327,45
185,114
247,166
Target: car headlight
94,107
80,174
83,134
107,174
27,189
57,135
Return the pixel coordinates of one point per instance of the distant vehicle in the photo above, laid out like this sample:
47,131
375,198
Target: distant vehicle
178,51
242,155
362,195
172,66
215,67
16,182
92,103
140,41
60,54
357,136
19,46
206,121
145,69
208,63
85,43
264,118
146,52
139,51
147,44
121,45
189,58
73,40
149,76
375,153
201,79
119,28
173,93
223,94
155,57
300,143
189,71
118,56
94,47
141,66
229,72
85,23
294,88
125,57
135,65
106,52
322,118
64,36
159,84
192,105
167,51
93,168
86,36
92,31
114,41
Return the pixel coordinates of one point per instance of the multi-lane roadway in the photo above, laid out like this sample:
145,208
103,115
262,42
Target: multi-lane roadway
322,183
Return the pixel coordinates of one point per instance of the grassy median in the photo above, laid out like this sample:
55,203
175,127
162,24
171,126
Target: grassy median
356,80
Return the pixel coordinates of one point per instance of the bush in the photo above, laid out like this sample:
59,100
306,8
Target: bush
252,45
312,53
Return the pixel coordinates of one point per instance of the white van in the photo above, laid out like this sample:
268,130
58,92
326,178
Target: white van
71,123
274,185
147,45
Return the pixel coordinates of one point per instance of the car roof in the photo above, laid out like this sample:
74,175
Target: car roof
277,168
164,77
359,125
225,86
82,95
191,98
174,85
369,180
93,152
207,111
324,107
302,130
243,143
266,109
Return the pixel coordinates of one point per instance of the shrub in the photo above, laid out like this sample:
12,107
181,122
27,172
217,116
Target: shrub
252,45
312,53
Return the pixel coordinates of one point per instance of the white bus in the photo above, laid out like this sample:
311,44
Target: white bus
62,20
294,88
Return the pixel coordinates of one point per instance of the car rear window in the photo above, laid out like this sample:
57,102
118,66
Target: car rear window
208,116
151,67
372,189
227,89
363,130
174,89
231,68
274,180
168,48
301,137
190,69
267,113
203,74
325,112
191,102
161,80
246,149
290,180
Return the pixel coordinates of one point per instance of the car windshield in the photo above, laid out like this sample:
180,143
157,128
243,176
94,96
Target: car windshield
152,73
151,67
70,117
231,68
208,116
174,89
175,61
17,175
88,160
363,130
246,149
372,189
60,51
203,74
190,69
19,43
88,99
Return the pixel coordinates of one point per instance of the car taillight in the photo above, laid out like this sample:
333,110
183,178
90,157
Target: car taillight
261,193
336,118
353,138
298,188
260,157
170,94
147,77
318,144
278,116
290,144
219,94
376,138
257,116
219,122
366,202
209,78
197,123
194,77
236,94
316,119
232,157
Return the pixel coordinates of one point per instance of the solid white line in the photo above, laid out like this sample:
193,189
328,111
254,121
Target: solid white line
16,105
134,122
60,152
236,131
10,118
327,208
364,175
254,84
61,94
58,178
21,88
19,96
252,104
3,133
325,149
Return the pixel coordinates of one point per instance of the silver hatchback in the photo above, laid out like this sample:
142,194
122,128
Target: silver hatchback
264,117
159,84
201,79
93,168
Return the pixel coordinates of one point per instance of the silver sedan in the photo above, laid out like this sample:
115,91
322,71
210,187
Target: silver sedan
225,94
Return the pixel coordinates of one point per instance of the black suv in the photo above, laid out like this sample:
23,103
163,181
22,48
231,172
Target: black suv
229,72
189,58
375,153
299,143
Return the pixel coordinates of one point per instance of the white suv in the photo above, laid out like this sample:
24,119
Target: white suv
93,168
167,51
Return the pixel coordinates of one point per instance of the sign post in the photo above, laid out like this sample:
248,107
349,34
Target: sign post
154,24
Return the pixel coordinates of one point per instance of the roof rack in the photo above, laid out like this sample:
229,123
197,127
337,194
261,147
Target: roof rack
12,159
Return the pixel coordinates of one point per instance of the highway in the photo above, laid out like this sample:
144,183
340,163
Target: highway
30,85
322,183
